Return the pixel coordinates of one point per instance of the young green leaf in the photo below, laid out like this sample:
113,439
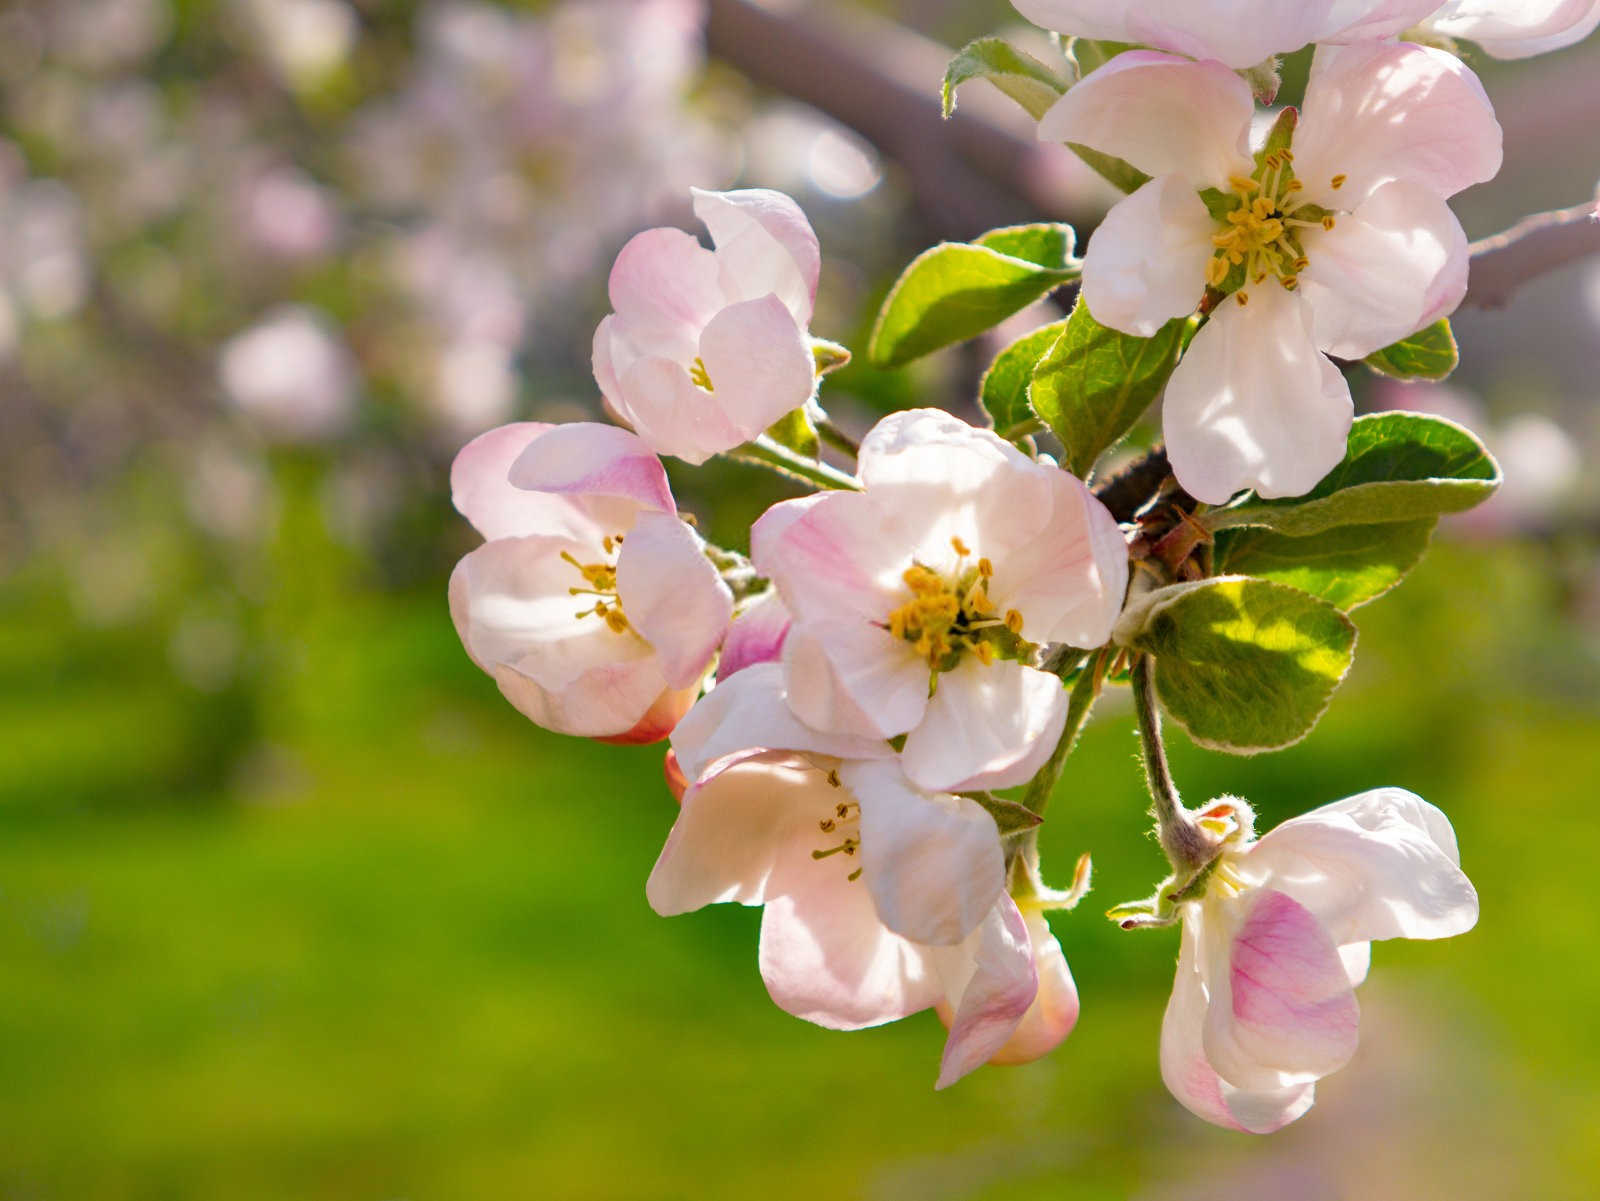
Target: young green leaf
1096,382
1346,566
1245,665
1032,84
1399,467
1004,392
957,290
795,431
1430,353
1119,173
1047,244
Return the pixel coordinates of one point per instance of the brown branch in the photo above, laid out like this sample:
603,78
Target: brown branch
1532,247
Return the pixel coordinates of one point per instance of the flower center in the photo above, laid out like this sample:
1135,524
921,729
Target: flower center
601,579
1261,233
843,821
947,616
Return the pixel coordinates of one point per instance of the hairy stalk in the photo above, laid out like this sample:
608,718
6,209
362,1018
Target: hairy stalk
764,452
1186,848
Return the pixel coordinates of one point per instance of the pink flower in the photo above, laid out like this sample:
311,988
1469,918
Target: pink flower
592,604
919,604
1264,1003
1238,34
1516,28
880,899
1338,246
756,635
707,348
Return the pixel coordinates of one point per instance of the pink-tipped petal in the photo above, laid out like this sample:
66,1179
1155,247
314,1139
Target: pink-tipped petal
759,364
673,596
990,982
986,727
1377,112
1281,1010
1253,404
932,861
1193,1081
480,487
756,636
1053,1012
1395,265
584,459
1165,115
765,246
1146,263
767,533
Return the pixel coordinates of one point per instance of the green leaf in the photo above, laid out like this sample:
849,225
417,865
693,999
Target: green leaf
828,356
1047,244
1120,174
956,290
1009,816
1090,54
1427,354
1346,566
1399,467
1004,393
1245,665
1096,382
795,431
1032,84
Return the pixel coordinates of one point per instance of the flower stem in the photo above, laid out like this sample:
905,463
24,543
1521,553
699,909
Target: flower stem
1185,846
837,438
764,452
1084,695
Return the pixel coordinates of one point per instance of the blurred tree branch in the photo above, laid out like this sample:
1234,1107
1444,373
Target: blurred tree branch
1533,246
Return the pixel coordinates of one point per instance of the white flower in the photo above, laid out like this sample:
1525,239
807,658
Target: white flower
592,605
707,348
1338,245
1264,1004
915,601
1516,28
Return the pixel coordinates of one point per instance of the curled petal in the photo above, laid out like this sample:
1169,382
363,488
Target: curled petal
1192,1079
1146,263
986,727
765,246
1165,115
990,981
664,287
1377,112
1053,1012
759,364
481,488
1396,264
756,636
674,415
1253,404
932,861
673,596
585,459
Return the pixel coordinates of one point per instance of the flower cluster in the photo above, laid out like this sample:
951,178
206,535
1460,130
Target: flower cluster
932,624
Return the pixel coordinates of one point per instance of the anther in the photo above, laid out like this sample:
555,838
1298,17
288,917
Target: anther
960,547
1243,298
985,568
1328,222
1338,181
1014,621
833,780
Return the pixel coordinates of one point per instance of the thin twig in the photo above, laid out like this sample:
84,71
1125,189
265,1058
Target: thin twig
1532,247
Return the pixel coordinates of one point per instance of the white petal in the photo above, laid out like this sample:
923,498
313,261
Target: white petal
1377,112
1239,34
1520,29
664,287
1254,405
1372,869
765,246
1396,264
481,489
759,364
1146,262
767,533
989,982
749,710
585,459
673,414
1189,1075
731,826
1165,115
672,595
986,727
1371,20
849,677
1281,1010
933,861
1357,960
917,446
843,557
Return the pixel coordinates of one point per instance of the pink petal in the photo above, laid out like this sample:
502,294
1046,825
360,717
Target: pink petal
1254,405
843,557
480,487
658,721
1165,115
1190,1076
730,829
664,287
674,415
767,533
1521,29
765,246
759,363
991,981
1053,1012
1146,262
1371,20
1281,1011
917,446
1396,264
756,636
1241,35
932,861
1378,112
986,727
585,459
673,596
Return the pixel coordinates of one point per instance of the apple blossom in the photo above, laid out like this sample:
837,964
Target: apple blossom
592,604
1347,228
1264,1005
1516,28
756,635
918,603
1238,34
707,348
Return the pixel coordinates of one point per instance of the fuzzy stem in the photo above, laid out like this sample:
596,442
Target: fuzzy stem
1185,846
764,452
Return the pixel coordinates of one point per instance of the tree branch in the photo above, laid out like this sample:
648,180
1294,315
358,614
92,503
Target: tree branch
1532,247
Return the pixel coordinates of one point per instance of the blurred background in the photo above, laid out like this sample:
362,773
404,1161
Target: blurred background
293,905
